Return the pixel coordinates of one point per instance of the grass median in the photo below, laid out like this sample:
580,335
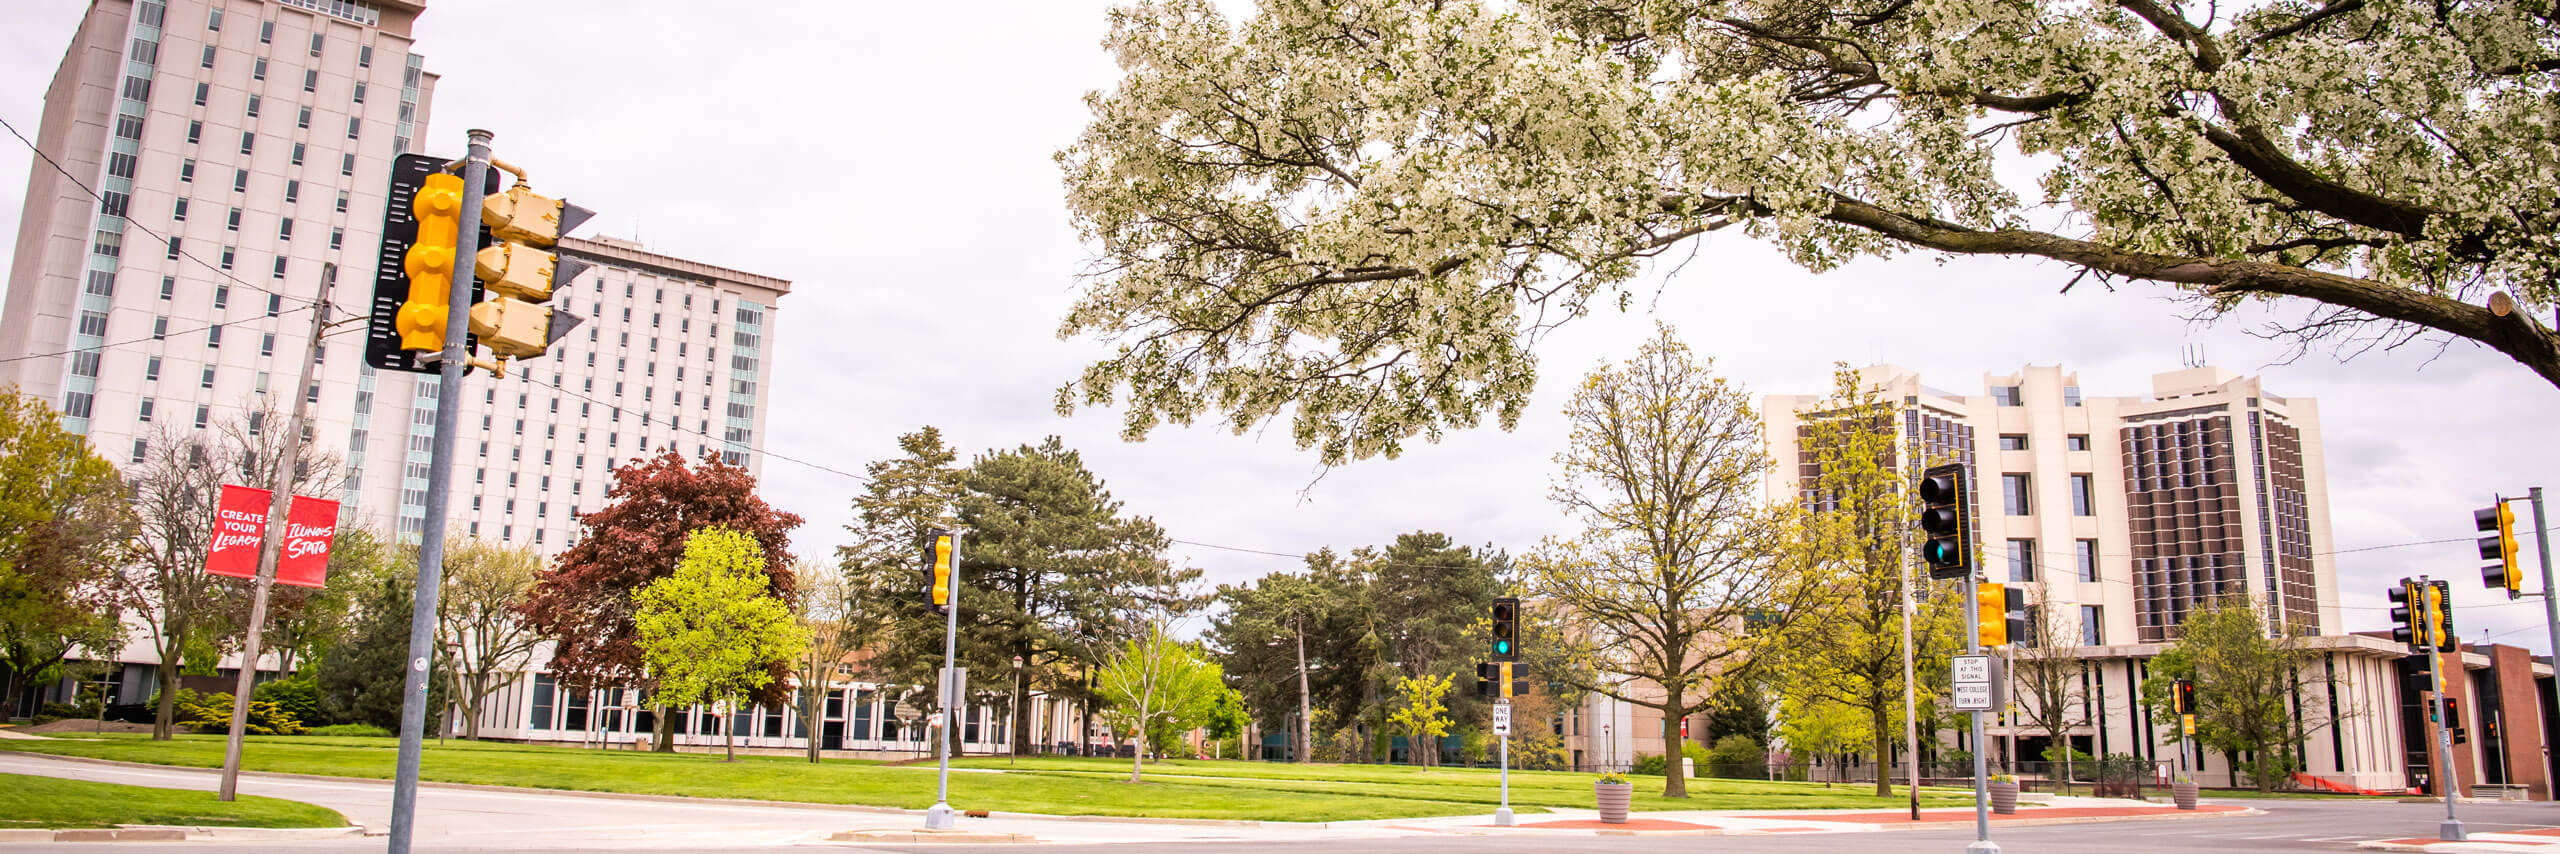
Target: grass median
1064,786
50,802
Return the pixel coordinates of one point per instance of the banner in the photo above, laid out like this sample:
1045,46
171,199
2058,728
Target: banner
240,526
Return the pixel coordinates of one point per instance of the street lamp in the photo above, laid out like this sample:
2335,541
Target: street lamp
1023,696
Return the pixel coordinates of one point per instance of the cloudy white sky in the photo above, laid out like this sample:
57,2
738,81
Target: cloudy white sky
893,160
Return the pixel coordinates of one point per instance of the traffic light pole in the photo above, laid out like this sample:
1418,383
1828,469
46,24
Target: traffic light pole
271,548
422,613
2550,602
1982,843
1502,815
940,817
2450,779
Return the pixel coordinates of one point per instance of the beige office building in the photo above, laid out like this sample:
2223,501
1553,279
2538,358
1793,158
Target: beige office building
239,152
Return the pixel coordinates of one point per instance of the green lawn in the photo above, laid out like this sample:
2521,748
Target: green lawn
50,802
1068,786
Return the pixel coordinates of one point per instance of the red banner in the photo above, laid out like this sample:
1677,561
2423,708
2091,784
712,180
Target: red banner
240,526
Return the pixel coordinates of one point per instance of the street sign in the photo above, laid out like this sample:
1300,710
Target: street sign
1972,683
1502,718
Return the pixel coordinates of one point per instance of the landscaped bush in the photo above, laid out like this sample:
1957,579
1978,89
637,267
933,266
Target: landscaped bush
298,696
59,710
1649,764
211,713
350,730
1736,756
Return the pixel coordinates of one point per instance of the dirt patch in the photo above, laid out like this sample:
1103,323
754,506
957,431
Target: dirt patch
73,726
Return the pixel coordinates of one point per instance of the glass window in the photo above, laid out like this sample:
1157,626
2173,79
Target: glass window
187,171
266,34
2084,555
258,69
2077,442
311,80
2013,442
204,92
544,695
145,414
2017,498
195,132
359,92
2008,395
208,54
239,180
2022,560
178,212
254,103
2090,626
364,56
2084,498
151,368
347,164
354,125
213,21
316,41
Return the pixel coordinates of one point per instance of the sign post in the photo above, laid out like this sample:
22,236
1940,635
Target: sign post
1502,730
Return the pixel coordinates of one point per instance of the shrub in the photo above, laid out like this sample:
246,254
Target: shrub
211,713
1736,756
298,696
59,710
351,730
1649,764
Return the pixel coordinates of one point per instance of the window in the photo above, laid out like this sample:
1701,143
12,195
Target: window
204,93
140,446
151,369
195,132
204,415
207,382
233,222
160,327
266,32
302,119
168,287
315,44
342,201
178,211
207,62
213,20
354,124
267,344
347,165
2077,442
337,237
2022,560
311,80
293,187
258,69
359,96
221,296
2071,395
284,229
2013,442
2008,395
2016,497
2084,498
173,247
280,266
145,413
212,341
2090,623
187,171
121,165
364,56
227,253
2084,556
239,180
254,103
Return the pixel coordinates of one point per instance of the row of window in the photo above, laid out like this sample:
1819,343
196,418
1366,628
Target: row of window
2017,495
2018,442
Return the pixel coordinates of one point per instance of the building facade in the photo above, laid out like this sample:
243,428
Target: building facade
2121,515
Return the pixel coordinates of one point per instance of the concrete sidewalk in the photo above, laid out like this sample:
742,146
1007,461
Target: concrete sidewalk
2539,839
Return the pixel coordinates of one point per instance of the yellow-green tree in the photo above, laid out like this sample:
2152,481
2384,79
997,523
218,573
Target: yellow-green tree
2246,680
714,632
1157,684
1424,715
477,618
1819,728
1851,528
63,526
1663,475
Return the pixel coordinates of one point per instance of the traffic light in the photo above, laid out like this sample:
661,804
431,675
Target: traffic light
1506,628
417,267
2408,615
519,266
1948,548
2440,609
1488,680
1999,612
1506,680
2182,696
938,575
2499,546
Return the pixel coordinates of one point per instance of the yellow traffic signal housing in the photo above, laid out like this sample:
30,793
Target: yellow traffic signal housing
524,272
2500,522
2437,632
517,329
519,213
1506,679
940,592
430,263
1991,617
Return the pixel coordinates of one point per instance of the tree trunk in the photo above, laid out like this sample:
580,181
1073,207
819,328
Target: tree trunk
663,738
163,721
729,735
14,693
1138,753
813,705
1022,710
1675,779
1884,752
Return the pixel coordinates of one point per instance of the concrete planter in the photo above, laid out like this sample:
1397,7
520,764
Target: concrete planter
2183,793
2004,797
1613,798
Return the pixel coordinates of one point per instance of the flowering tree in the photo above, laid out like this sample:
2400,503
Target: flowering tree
715,632
1368,209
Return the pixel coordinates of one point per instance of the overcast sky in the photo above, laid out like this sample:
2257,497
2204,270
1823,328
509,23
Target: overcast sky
893,160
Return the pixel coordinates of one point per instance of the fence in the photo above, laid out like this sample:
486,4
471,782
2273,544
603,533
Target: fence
2120,777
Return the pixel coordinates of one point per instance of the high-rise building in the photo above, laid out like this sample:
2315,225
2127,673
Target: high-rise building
217,160
2132,511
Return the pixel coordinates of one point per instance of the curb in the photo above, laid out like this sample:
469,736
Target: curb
948,837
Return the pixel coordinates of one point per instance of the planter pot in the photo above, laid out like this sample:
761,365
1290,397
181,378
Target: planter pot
1613,798
2004,797
2183,794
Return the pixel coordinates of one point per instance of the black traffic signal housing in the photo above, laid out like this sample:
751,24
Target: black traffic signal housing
520,266
1946,526
424,300
2500,548
939,573
2182,696
2453,720
1489,679
1506,628
2408,615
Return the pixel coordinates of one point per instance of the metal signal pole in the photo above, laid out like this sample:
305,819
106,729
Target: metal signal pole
940,816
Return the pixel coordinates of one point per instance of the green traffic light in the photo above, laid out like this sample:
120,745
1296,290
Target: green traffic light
1501,647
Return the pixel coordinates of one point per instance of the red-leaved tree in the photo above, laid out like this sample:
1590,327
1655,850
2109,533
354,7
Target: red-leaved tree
583,604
